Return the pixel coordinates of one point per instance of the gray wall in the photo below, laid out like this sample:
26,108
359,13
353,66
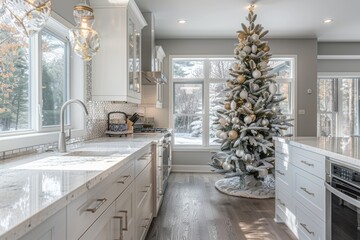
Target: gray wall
337,65
306,51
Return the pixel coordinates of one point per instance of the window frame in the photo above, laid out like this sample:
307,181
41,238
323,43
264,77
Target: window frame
76,89
335,78
206,145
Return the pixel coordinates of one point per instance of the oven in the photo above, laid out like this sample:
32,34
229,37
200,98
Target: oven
342,202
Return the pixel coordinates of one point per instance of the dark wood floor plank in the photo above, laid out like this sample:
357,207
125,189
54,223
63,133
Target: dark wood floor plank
193,209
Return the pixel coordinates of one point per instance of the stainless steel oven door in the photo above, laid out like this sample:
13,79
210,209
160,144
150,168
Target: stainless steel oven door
343,210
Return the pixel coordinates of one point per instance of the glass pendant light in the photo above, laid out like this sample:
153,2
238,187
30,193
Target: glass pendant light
28,16
84,40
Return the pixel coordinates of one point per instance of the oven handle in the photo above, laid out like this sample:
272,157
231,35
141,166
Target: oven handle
343,196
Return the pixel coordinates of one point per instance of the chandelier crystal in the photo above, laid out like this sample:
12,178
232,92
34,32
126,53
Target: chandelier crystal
83,38
28,16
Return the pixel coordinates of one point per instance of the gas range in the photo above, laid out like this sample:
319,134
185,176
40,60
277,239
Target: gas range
151,130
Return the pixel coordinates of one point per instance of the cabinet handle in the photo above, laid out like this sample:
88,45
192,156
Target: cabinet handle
147,223
281,203
124,179
305,227
305,190
100,201
126,219
281,173
148,187
306,163
121,229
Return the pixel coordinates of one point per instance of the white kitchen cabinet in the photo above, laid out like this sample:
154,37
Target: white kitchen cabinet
300,191
52,229
116,69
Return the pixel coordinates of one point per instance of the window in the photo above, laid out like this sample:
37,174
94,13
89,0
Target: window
33,72
338,105
197,90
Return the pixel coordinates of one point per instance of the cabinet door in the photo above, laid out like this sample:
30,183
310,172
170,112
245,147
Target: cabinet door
52,229
131,55
125,210
104,227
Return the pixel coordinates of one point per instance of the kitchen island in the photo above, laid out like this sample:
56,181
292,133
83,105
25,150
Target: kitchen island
305,167
35,187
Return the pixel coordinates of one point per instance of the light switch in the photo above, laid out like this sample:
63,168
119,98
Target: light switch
301,111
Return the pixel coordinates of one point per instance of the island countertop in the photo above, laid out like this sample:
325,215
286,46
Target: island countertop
344,149
34,187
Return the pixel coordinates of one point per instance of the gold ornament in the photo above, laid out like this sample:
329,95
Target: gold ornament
227,106
266,48
241,36
233,135
253,117
241,79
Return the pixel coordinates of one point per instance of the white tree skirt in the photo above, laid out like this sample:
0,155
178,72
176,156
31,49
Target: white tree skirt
231,186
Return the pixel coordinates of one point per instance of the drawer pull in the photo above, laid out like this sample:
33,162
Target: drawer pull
121,229
281,173
126,219
123,180
305,227
306,163
305,190
281,203
100,201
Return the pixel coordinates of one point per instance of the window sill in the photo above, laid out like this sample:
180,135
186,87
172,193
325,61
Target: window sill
32,139
195,149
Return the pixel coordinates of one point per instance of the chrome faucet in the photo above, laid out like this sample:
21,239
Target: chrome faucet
62,136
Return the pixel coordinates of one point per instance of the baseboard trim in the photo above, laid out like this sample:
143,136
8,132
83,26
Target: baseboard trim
192,168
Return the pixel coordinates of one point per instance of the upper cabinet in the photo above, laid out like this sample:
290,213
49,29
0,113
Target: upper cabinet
116,69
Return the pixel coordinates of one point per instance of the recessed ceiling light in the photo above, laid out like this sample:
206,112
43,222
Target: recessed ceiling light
329,20
181,21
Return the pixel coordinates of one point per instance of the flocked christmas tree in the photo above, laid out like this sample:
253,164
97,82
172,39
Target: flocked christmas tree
250,118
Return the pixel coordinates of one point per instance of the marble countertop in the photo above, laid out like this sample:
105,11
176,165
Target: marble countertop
346,150
34,187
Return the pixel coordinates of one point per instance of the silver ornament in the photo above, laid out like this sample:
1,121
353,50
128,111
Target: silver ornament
263,65
260,136
254,48
255,87
222,121
275,109
228,120
263,173
244,94
235,120
218,132
248,105
239,153
265,122
223,135
226,166
247,49
247,119
242,54
255,37
272,88
256,74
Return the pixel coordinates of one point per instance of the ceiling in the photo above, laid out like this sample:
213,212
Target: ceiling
283,18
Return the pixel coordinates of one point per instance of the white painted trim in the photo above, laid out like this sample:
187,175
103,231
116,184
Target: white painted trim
338,57
194,149
337,74
192,168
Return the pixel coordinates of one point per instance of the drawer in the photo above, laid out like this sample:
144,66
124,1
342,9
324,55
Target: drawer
281,147
143,185
142,162
144,217
310,191
309,161
285,209
283,174
308,225
125,208
82,212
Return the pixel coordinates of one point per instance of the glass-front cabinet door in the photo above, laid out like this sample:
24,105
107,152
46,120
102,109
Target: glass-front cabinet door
134,69
137,70
131,54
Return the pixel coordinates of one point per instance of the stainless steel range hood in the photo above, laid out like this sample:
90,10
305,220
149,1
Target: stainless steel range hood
150,70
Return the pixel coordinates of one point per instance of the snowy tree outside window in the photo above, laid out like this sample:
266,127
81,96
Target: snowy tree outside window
197,91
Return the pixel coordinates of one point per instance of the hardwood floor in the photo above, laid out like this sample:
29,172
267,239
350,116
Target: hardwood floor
194,210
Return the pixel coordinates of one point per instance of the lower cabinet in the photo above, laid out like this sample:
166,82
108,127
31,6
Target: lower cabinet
52,229
300,191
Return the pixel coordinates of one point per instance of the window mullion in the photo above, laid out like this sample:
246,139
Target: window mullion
35,69
206,103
